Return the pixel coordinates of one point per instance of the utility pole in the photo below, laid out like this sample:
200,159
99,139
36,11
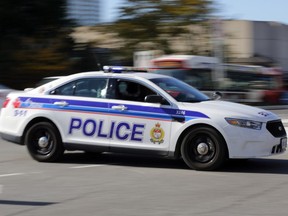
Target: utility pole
217,41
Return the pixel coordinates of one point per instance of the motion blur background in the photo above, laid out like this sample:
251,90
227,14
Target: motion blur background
61,37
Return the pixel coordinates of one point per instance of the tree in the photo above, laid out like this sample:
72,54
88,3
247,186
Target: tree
34,41
153,24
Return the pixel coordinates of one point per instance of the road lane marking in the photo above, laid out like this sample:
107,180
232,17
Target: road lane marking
91,166
11,174
87,166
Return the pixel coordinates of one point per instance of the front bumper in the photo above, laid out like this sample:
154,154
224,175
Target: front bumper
248,143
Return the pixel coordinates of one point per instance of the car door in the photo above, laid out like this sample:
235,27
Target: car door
81,111
137,125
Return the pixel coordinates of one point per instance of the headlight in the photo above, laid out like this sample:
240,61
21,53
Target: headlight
244,123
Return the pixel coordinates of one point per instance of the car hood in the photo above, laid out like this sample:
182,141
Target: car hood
220,109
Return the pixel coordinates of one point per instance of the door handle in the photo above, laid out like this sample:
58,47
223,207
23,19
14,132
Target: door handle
119,107
61,103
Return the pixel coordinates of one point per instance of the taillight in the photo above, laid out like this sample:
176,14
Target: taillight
5,103
16,103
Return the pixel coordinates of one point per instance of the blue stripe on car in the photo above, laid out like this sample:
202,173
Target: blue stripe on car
106,108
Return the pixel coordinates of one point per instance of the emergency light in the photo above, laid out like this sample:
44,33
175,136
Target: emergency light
123,69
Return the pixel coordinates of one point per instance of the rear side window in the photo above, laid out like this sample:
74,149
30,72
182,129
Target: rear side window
90,87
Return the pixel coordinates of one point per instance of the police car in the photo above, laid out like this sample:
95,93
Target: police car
137,113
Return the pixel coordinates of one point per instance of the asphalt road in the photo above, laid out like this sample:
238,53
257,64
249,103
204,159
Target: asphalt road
110,184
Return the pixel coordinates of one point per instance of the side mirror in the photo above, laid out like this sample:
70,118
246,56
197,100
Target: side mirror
155,99
217,95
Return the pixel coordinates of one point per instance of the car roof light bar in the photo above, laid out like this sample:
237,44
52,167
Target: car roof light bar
123,69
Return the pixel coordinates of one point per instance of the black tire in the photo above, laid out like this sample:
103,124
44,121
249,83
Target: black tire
203,148
44,142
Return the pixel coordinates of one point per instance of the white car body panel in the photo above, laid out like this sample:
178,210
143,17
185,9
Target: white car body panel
135,128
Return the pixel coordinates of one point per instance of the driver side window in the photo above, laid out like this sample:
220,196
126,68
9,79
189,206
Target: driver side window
132,91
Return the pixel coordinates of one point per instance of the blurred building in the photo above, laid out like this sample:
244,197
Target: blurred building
248,42
84,13
257,42
92,12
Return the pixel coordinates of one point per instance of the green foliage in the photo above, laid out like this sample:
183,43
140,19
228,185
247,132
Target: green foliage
34,41
151,24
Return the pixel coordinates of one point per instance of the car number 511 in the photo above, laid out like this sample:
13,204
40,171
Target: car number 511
20,113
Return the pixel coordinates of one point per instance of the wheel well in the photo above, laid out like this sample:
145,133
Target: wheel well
177,153
34,121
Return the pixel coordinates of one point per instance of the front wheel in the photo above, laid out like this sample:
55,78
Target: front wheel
203,148
44,142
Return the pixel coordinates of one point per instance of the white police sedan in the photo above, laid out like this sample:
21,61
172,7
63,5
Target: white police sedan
137,113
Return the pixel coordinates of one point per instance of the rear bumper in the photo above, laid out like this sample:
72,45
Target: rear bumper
11,138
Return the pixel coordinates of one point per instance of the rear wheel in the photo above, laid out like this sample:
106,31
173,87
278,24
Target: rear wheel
203,148
44,142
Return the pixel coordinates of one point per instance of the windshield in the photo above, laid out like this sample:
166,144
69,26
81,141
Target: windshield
179,90
198,78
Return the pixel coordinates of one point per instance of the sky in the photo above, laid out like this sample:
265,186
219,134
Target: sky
255,10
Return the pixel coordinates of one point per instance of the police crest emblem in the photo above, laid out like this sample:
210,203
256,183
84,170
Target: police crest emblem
157,134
